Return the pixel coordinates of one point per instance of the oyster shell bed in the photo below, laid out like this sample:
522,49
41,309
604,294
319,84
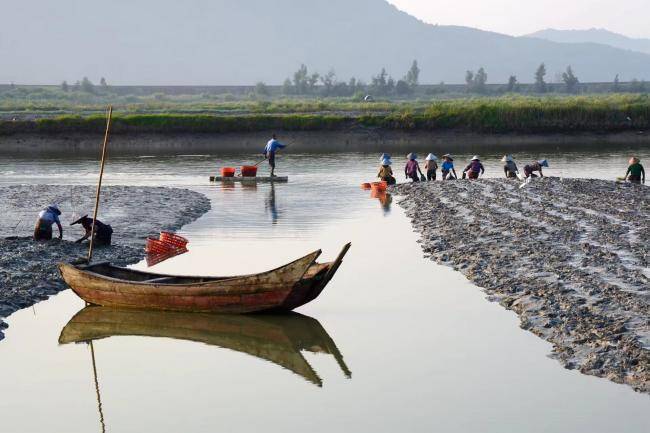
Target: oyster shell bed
28,272
569,256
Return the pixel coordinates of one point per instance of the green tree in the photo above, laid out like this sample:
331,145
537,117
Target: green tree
413,75
329,82
379,82
87,85
480,80
102,82
261,89
300,78
64,86
540,84
570,80
512,83
469,80
617,84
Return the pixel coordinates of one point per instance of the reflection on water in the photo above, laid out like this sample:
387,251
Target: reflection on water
423,341
279,339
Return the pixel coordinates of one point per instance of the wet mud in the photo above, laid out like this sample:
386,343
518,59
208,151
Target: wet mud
571,257
28,272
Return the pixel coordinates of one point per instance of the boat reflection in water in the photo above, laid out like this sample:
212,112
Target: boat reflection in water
279,339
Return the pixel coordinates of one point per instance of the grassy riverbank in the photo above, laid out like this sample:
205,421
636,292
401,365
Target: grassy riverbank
599,114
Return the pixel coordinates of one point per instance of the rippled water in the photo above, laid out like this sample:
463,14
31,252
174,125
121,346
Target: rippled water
420,348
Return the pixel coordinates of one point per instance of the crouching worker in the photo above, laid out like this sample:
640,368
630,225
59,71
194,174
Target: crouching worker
510,167
474,169
530,169
386,172
103,232
46,218
635,172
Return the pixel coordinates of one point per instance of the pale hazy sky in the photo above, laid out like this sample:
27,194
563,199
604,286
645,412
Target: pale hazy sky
517,17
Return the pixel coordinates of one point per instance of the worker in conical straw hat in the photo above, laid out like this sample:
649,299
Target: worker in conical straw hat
412,168
474,169
635,172
509,167
431,166
46,218
386,172
447,168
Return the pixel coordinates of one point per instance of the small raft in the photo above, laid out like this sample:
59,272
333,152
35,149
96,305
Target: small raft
257,179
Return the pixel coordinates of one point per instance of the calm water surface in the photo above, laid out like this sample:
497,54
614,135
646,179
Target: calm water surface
420,348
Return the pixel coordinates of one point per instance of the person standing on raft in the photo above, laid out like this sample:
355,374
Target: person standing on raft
474,169
412,168
431,166
269,152
46,218
509,167
529,169
386,172
103,232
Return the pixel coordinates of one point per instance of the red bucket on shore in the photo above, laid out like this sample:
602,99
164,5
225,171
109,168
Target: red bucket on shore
176,241
248,170
379,186
228,172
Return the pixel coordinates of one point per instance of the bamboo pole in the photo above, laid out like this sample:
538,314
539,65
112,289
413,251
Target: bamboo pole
97,393
99,184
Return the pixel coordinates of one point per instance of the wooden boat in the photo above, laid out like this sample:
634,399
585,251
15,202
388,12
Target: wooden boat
244,179
281,289
279,339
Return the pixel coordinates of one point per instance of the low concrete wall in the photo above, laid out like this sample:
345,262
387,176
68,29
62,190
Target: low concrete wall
305,142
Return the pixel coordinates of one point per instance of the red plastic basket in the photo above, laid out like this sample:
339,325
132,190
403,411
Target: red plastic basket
156,246
365,185
248,170
173,239
228,172
379,186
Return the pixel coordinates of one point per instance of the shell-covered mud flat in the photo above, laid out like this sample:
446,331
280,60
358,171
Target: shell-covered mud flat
569,256
28,271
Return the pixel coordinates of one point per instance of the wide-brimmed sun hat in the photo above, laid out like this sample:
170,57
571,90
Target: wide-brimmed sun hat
386,161
448,156
412,156
432,157
634,160
79,220
384,156
476,158
507,158
54,208
543,162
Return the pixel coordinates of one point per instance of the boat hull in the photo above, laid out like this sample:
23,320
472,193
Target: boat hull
281,289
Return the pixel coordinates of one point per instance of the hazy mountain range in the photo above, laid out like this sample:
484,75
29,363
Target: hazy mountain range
597,36
245,41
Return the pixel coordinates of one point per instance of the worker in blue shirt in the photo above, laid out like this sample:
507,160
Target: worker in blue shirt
269,152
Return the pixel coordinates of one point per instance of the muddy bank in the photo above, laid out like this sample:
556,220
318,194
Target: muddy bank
352,140
28,271
571,257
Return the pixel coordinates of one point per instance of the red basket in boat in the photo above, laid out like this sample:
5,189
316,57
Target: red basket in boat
248,170
379,186
365,185
228,172
156,246
176,241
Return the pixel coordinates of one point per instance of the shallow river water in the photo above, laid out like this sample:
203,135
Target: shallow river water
421,349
